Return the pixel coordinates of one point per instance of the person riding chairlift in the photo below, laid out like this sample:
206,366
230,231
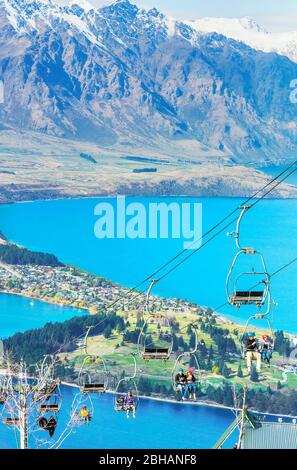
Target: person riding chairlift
191,386
266,349
180,381
48,425
252,352
85,414
129,404
121,402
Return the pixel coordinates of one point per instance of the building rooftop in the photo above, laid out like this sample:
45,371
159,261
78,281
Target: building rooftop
269,436
258,432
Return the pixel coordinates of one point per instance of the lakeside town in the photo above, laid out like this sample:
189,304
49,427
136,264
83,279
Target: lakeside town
42,276
72,287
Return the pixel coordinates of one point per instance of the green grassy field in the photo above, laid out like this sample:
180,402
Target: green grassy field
117,355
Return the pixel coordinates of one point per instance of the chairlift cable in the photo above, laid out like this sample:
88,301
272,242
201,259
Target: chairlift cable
208,232
260,282
151,276
214,310
224,228
223,220
160,348
267,185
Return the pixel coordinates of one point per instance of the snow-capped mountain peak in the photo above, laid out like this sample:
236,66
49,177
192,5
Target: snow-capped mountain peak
116,2
125,74
231,26
250,24
84,4
251,33
24,14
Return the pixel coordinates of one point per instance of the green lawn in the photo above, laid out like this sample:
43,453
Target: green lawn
118,357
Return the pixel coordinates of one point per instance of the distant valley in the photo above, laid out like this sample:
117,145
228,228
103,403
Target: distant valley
85,87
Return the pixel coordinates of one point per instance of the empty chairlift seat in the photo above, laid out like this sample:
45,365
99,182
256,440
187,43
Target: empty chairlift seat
93,377
93,388
54,408
156,353
11,421
247,297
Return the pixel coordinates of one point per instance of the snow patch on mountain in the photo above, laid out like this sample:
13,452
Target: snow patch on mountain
232,26
84,4
251,33
82,27
125,74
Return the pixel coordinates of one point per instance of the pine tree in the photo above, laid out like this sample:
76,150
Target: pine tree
202,350
226,371
192,341
175,343
210,353
189,330
192,362
209,364
254,375
228,394
221,366
239,371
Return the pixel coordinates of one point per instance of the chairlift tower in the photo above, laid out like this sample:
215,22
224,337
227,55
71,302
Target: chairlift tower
32,402
24,401
23,417
16,404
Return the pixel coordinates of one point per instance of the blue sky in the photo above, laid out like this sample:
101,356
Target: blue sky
278,15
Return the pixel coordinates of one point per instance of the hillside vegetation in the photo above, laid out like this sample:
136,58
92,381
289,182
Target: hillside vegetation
115,338
15,255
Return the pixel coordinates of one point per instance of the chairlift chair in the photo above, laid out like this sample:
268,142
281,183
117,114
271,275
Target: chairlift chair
13,422
183,360
125,385
82,342
268,328
155,340
239,290
242,292
153,343
51,403
80,400
93,376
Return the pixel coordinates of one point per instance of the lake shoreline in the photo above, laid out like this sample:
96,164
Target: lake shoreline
207,404
224,319
39,299
220,316
153,196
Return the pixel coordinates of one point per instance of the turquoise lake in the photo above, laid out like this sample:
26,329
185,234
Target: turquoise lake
157,425
19,314
66,228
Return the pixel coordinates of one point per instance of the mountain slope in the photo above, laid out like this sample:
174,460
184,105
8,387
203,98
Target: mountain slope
248,31
122,75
